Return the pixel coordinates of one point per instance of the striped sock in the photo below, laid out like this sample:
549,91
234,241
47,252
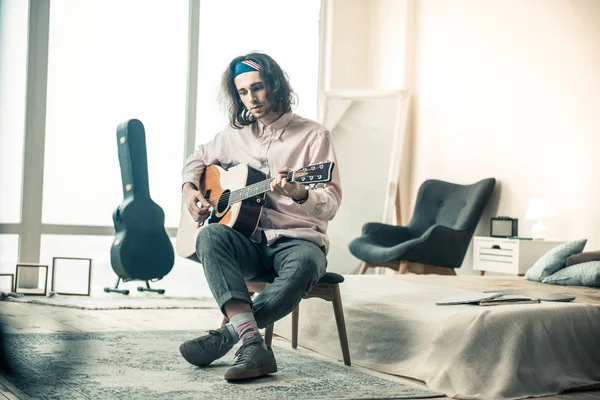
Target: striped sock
233,332
245,326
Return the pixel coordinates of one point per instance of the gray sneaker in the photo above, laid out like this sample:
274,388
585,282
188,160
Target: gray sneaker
251,361
208,348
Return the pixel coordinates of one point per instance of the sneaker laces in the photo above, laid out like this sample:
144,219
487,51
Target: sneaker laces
245,352
211,343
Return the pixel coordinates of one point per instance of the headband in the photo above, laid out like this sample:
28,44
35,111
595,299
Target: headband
245,66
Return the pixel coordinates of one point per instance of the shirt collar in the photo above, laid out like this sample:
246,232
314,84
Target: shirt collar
276,128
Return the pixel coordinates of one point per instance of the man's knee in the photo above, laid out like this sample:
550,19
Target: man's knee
310,270
209,236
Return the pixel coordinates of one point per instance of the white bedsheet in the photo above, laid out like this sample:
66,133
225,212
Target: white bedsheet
465,351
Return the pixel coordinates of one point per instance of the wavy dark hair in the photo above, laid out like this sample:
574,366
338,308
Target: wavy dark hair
277,85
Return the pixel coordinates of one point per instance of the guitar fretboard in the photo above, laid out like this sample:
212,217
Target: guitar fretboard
252,190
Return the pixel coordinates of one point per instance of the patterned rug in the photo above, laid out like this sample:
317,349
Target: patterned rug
147,365
115,301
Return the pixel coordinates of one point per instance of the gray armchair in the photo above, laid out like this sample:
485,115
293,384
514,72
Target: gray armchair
439,232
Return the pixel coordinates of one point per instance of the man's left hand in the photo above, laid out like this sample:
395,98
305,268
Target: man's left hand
282,186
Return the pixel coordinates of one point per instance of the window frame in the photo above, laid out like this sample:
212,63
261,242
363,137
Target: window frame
30,229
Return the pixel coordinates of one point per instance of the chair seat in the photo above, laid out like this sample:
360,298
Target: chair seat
331,277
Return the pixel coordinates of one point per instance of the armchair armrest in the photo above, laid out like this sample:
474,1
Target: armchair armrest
390,234
441,232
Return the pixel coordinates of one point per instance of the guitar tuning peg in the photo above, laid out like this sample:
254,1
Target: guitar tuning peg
315,186
324,185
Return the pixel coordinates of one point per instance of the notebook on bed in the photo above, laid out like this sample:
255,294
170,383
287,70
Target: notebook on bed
539,295
509,299
466,298
486,299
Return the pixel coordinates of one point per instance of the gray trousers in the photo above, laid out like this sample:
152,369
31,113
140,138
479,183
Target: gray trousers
230,259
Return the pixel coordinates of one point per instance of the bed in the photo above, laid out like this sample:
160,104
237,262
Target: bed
583,295
465,351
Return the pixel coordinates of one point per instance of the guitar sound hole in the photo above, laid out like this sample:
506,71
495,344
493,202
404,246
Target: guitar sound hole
223,202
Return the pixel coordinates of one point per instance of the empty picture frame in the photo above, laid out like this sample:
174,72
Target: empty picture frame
29,279
12,282
71,276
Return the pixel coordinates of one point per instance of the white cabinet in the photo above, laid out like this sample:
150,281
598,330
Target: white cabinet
509,256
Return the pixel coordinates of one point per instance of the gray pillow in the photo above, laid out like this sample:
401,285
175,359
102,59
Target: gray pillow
582,274
554,260
583,257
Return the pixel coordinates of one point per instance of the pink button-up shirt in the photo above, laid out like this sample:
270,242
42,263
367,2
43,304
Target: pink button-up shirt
291,141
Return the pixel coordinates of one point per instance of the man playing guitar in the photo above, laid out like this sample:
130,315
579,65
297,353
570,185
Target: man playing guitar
290,241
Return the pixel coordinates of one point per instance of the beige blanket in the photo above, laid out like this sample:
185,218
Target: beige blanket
470,352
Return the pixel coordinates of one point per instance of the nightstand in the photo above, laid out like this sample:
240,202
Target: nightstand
509,256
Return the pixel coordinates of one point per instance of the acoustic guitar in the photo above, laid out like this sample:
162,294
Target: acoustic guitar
141,249
237,196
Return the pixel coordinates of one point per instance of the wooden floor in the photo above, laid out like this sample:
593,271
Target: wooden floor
30,318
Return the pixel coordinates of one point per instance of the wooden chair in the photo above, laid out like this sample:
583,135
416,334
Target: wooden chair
327,289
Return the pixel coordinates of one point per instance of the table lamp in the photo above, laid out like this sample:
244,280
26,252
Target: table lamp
538,210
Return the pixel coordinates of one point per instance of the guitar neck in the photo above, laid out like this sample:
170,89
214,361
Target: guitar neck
253,190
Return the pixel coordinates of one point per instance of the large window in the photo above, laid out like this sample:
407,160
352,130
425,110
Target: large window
9,251
110,61
286,30
13,69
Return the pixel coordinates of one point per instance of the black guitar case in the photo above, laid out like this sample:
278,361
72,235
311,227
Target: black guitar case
141,249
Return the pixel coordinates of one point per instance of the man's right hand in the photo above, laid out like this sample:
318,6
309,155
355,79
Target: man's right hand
192,197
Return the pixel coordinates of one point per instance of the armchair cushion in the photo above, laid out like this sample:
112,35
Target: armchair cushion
554,260
440,246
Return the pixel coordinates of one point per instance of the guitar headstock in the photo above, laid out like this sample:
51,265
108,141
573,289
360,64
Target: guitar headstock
313,174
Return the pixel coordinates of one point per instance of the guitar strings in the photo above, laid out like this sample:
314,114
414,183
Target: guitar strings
223,200
252,186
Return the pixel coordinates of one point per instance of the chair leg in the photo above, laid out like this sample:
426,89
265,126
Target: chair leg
363,268
295,315
403,267
269,334
339,320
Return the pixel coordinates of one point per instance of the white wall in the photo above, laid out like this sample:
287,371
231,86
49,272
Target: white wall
349,44
367,44
386,35
511,89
